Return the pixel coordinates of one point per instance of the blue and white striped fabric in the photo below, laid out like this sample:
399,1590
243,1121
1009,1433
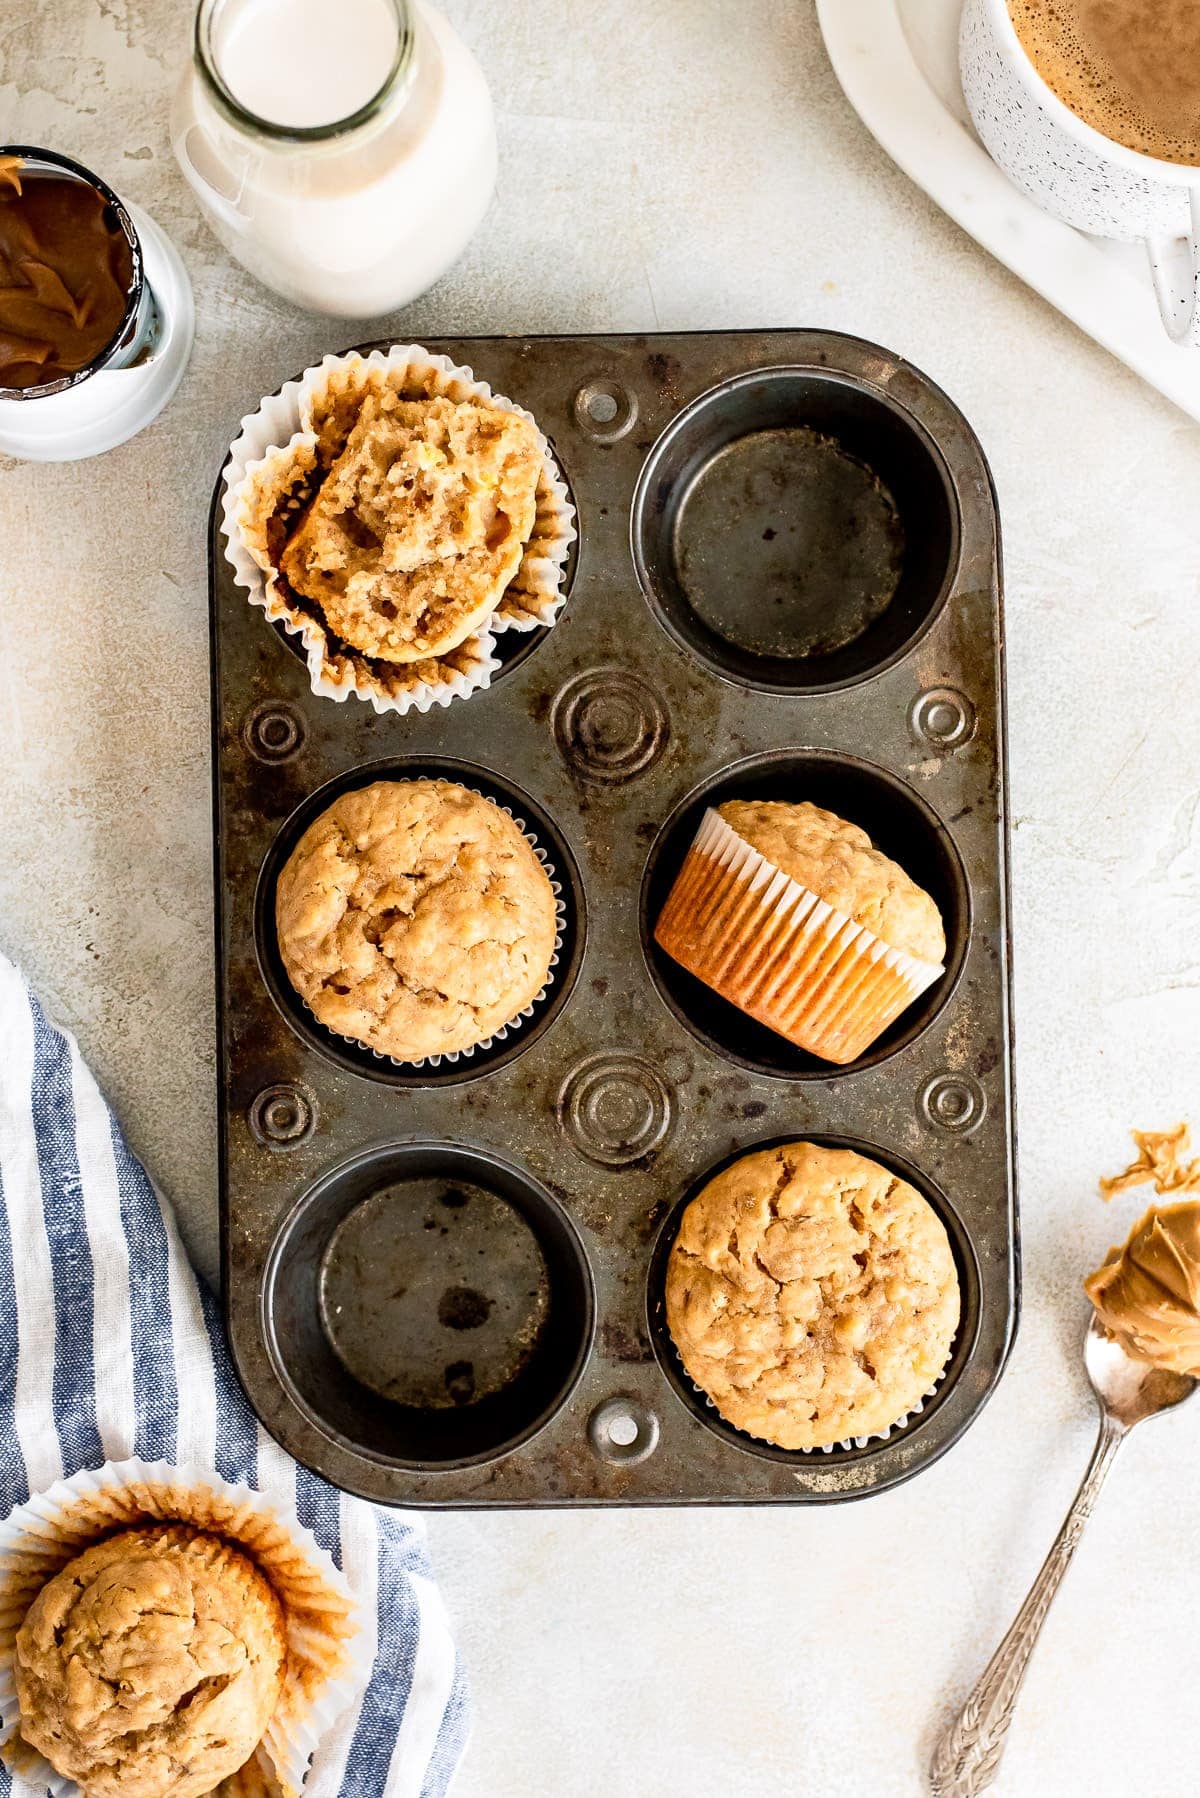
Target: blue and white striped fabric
110,1347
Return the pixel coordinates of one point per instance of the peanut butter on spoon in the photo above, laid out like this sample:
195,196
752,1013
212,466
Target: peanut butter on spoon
1147,1293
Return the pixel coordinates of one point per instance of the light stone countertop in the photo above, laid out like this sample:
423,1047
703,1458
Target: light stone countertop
690,163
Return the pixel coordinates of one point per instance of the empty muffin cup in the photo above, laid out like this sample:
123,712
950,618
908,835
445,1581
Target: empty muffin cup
796,529
428,1305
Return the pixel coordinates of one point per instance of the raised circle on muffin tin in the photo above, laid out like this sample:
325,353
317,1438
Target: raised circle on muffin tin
515,1036
399,1265
702,1406
899,823
797,531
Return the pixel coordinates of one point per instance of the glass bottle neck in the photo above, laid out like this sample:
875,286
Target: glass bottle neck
224,24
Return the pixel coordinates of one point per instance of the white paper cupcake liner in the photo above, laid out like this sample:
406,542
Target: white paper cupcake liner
328,1644
511,1025
782,954
282,434
825,1448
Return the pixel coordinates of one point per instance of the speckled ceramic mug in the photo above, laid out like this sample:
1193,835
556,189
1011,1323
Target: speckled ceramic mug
1074,171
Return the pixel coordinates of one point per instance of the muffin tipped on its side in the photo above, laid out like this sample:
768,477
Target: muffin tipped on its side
150,1666
791,914
812,1294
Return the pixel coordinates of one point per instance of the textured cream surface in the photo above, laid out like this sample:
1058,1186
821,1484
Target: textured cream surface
811,1294
639,225
419,526
415,917
837,861
151,1665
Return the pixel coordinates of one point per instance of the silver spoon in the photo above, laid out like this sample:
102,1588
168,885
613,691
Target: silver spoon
968,1754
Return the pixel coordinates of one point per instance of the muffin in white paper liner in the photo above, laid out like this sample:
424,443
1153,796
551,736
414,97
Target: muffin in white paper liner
826,1448
282,442
782,954
513,1024
329,1645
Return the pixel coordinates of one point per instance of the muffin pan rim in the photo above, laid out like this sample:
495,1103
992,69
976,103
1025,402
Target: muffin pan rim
661,371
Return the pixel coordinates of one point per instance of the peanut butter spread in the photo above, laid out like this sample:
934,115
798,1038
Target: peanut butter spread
838,862
1159,1159
812,1295
1147,1293
419,526
415,917
65,271
151,1665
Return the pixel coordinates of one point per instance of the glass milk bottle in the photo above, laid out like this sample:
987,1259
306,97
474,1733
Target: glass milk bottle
343,150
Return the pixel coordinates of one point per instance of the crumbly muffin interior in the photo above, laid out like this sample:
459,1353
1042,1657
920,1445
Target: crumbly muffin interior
415,917
812,1294
151,1665
419,525
837,861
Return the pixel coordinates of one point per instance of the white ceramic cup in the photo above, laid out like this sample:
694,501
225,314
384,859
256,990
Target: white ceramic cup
1073,171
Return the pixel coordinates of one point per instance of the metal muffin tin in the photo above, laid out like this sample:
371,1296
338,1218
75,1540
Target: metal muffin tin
443,1285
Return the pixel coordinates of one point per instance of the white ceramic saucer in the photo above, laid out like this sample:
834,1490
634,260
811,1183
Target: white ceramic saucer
898,63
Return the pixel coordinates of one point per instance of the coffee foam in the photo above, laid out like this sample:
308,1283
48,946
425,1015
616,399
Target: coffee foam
1128,68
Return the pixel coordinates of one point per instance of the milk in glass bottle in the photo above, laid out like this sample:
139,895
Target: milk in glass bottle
343,150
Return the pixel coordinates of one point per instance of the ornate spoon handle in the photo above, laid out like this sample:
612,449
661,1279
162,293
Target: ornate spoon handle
968,1754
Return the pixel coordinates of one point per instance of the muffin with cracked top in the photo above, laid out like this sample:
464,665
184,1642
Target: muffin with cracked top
812,1294
414,916
793,915
150,1666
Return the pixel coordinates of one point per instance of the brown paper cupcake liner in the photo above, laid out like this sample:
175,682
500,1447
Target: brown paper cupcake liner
281,448
780,953
328,1657
511,1025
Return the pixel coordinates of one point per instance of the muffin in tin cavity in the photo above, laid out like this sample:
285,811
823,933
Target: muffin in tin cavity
428,1304
416,927
416,918
805,913
796,529
811,1294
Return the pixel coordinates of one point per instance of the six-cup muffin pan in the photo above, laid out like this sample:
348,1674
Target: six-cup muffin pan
443,1284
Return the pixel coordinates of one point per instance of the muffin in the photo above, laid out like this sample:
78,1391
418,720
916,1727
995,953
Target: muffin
394,514
150,1666
812,1295
418,526
414,917
792,914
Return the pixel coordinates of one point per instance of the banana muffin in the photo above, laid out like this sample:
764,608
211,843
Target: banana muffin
419,526
812,1294
414,917
150,1666
793,915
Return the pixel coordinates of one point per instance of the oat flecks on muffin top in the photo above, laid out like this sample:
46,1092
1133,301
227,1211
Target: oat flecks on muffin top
837,861
415,917
812,1294
420,524
151,1665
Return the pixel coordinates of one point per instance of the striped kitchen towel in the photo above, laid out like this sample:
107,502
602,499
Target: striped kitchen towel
110,1346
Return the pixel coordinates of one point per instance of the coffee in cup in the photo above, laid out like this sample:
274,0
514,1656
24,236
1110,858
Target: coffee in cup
1128,68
